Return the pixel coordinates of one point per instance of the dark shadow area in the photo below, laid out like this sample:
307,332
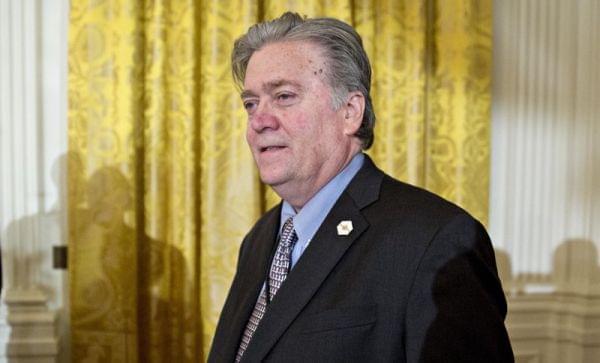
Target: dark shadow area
468,311
124,298
461,327
127,287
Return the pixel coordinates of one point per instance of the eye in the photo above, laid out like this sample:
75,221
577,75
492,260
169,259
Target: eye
285,98
250,105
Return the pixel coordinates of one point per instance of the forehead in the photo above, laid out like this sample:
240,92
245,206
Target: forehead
296,61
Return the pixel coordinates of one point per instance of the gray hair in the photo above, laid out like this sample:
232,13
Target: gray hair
349,67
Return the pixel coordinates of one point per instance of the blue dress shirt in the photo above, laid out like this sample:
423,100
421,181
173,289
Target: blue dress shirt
312,215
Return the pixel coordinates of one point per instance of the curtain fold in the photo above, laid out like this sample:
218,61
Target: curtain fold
162,185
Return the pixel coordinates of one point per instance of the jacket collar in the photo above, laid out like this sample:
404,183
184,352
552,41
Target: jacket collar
321,256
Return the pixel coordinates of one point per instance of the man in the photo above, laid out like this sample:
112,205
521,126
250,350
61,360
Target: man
352,266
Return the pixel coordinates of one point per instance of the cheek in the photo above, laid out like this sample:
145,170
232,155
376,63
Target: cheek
310,124
296,124
249,135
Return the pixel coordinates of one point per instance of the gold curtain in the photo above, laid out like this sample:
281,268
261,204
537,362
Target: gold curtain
162,187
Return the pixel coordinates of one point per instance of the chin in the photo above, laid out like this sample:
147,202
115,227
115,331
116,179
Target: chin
271,179
269,173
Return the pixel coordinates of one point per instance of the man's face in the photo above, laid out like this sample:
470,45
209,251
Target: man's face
298,140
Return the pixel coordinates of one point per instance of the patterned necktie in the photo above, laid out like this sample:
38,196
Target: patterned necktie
279,271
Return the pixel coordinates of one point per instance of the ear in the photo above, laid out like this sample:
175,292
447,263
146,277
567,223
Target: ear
354,111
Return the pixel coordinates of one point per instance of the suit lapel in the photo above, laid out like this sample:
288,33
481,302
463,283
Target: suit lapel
320,257
246,287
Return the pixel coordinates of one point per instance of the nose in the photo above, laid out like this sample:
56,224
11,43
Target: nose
263,118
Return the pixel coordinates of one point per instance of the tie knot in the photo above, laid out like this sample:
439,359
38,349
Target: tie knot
288,235
288,227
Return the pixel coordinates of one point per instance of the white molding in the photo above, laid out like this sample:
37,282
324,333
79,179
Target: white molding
33,136
559,327
28,328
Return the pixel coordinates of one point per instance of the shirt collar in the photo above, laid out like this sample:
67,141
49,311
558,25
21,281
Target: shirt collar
311,216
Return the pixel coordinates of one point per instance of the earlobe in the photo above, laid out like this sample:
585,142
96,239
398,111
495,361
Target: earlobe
355,108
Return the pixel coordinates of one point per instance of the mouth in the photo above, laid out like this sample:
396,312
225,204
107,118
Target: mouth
271,148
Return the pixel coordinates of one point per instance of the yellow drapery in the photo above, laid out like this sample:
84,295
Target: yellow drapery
162,186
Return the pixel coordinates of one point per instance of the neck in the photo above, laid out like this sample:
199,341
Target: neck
300,193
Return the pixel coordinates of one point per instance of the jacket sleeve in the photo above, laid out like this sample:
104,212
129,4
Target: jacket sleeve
456,307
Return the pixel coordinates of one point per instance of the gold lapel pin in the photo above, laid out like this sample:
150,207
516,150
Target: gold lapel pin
344,228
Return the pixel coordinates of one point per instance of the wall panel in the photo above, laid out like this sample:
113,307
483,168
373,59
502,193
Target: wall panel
545,184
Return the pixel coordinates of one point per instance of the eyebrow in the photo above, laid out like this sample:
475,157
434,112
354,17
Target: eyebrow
269,86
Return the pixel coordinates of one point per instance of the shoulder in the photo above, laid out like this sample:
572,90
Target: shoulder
415,198
382,197
414,208
400,211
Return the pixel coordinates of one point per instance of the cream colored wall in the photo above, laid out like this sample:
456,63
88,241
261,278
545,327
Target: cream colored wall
33,56
545,182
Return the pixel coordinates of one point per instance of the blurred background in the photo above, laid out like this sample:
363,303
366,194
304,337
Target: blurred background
126,185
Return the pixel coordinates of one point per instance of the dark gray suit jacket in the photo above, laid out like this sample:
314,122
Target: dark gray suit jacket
415,280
